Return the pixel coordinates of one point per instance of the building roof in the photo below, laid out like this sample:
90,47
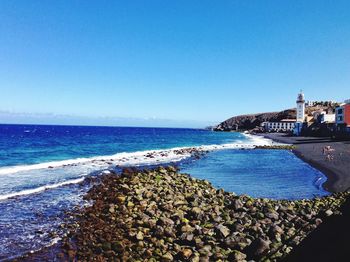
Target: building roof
288,120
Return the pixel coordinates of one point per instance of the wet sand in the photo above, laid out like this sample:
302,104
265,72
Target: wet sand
335,164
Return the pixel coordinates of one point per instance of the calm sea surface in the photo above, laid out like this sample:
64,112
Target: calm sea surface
42,167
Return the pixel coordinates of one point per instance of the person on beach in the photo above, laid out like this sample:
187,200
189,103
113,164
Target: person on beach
329,157
327,150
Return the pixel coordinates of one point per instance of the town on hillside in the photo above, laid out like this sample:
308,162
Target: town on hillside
309,118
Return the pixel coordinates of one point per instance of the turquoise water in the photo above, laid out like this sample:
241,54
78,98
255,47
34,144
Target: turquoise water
42,170
276,174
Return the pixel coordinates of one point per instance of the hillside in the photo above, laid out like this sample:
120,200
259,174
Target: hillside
246,122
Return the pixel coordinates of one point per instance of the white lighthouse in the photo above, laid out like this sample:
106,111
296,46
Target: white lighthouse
300,107
300,114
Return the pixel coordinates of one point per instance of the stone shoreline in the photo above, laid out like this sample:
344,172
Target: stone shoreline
161,215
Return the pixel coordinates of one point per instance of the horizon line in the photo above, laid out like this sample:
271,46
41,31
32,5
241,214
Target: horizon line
82,125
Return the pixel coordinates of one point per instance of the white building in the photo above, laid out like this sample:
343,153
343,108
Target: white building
310,103
284,125
300,114
300,107
342,118
326,118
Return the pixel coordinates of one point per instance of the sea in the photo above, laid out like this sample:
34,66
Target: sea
44,171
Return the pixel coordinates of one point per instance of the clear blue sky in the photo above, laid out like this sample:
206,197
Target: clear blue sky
168,62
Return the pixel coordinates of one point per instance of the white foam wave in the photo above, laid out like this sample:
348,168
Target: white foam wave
40,189
147,157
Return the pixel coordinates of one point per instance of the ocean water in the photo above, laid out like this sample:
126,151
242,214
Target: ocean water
274,174
43,169
30,144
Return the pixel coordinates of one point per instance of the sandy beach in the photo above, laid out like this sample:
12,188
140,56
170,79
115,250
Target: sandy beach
330,157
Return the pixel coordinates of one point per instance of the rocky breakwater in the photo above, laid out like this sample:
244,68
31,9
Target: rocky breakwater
282,147
161,215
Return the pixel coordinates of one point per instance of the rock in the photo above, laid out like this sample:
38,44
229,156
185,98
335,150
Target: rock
187,236
167,257
120,199
186,253
205,251
237,204
261,247
159,232
168,231
139,236
151,215
172,169
162,170
272,215
318,221
329,212
249,203
118,246
275,229
199,243
166,221
196,212
244,122
106,246
223,230
186,228
236,255
204,259
195,258
130,204
230,242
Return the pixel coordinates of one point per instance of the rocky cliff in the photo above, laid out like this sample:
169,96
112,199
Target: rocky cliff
247,122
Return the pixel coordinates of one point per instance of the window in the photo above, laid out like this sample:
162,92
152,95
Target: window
340,118
340,111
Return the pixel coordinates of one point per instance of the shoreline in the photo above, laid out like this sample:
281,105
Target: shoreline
166,155
125,159
263,143
309,149
50,251
160,214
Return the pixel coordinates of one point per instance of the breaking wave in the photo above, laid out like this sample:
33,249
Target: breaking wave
72,171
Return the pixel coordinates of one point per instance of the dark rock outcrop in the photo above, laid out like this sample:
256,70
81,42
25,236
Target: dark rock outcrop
247,122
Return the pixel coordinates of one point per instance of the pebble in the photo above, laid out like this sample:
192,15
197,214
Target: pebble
161,215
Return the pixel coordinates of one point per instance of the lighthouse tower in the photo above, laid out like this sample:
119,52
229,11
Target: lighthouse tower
300,114
300,107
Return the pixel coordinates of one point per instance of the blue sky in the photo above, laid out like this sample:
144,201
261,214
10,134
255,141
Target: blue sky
168,63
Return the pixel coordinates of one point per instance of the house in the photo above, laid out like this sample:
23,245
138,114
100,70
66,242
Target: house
323,117
285,125
310,103
342,117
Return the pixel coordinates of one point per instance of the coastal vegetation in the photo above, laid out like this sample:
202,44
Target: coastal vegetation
162,215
